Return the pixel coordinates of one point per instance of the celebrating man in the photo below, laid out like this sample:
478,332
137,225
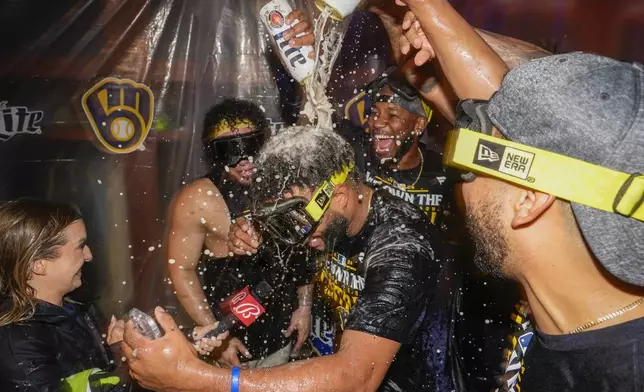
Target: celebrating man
394,304
561,209
200,217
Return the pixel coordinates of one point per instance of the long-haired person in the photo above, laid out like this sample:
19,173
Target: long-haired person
48,343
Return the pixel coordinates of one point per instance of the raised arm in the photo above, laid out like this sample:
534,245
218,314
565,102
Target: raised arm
431,81
473,68
513,51
198,216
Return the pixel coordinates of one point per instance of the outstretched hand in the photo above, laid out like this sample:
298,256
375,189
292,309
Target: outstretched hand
163,364
411,48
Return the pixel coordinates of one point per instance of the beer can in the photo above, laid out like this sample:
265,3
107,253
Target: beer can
297,60
145,324
341,8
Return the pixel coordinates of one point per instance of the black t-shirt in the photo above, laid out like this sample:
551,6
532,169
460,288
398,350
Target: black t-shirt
425,186
608,359
283,269
394,280
482,319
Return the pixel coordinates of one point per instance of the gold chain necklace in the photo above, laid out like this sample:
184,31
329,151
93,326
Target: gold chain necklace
607,317
420,172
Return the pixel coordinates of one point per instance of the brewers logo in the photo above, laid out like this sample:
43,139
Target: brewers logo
356,110
120,112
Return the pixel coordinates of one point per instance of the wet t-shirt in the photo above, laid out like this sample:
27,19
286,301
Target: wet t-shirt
425,185
392,281
603,360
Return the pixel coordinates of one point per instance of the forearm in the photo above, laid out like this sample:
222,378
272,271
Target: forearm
472,67
443,99
191,296
513,51
323,374
305,296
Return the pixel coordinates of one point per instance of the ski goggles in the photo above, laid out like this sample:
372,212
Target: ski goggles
232,149
477,152
292,221
405,95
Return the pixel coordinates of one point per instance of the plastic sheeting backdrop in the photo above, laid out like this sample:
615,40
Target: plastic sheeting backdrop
189,54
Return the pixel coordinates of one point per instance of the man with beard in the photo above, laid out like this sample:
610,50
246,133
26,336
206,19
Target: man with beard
200,217
560,210
393,289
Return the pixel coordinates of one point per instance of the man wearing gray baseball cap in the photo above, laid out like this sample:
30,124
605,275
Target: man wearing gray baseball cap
551,154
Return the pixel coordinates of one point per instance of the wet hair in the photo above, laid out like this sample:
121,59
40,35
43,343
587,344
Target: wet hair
301,156
230,110
30,230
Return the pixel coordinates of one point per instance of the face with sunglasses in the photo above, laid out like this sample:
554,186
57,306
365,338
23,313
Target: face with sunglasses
235,148
313,217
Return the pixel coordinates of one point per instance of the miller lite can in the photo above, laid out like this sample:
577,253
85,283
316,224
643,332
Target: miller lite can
297,60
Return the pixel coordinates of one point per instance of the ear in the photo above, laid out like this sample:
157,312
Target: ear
419,125
340,198
530,206
39,267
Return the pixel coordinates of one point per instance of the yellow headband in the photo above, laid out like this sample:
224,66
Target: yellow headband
559,175
224,126
322,197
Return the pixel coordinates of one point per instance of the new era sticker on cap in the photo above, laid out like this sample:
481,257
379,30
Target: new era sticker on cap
507,160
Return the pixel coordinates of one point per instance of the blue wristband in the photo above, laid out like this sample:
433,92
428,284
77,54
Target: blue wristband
234,381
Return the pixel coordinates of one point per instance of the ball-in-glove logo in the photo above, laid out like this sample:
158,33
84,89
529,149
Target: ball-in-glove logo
120,112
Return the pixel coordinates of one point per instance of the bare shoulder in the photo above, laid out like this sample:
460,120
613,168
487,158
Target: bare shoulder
513,51
199,200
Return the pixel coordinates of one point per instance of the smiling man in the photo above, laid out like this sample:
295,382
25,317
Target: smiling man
389,151
395,306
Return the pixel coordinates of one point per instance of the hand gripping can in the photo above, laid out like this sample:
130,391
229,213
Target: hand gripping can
145,324
297,60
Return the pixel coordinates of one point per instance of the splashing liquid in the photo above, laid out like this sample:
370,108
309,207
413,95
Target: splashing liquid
328,43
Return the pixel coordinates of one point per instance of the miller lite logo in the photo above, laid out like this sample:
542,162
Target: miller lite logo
15,120
275,19
120,112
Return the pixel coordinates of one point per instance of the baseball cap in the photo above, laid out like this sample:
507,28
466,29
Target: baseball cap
591,108
403,93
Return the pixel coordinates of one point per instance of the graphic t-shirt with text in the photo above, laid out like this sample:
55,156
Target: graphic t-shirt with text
393,280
